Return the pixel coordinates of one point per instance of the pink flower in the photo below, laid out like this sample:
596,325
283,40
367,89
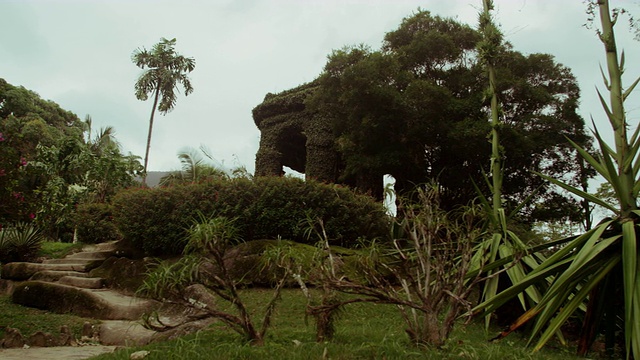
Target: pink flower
23,161
2,137
32,216
2,173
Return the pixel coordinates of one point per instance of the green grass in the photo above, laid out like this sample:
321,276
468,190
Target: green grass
55,250
29,320
364,331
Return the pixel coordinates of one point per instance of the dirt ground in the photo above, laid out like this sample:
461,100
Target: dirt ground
55,353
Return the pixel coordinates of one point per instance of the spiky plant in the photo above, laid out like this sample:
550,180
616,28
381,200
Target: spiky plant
503,248
599,270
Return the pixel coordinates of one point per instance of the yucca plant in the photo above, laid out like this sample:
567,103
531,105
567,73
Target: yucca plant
19,242
503,249
597,271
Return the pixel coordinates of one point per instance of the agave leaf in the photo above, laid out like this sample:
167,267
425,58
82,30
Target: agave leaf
633,338
575,302
602,170
517,273
630,89
526,201
633,154
629,268
491,285
591,250
490,305
604,79
607,154
580,193
485,203
605,106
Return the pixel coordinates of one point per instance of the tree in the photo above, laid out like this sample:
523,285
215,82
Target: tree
50,160
194,169
417,109
165,70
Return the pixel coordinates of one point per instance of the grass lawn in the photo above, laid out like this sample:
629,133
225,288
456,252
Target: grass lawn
364,331
29,320
56,250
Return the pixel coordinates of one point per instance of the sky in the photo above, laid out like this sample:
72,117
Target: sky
77,53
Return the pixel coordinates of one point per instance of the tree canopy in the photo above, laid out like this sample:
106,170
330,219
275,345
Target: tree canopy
50,160
417,109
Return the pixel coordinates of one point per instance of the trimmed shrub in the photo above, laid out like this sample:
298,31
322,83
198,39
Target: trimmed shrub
156,220
94,223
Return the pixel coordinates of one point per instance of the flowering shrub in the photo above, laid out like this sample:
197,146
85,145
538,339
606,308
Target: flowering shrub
265,208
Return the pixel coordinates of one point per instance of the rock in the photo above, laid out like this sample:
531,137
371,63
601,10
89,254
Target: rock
182,330
87,330
66,337
41,339
199,296
13,338
6,287
138,355
125,333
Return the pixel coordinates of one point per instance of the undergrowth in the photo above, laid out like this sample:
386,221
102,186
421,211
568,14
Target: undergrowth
363,331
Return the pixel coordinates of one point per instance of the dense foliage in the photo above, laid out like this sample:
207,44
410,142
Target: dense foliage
417,109
265,208
50,160
94,223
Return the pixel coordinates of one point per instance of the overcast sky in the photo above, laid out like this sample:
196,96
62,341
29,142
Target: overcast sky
78,54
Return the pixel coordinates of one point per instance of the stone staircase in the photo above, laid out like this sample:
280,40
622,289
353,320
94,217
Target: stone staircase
65,286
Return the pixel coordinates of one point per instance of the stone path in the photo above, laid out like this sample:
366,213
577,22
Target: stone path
55,353
70,275
65,285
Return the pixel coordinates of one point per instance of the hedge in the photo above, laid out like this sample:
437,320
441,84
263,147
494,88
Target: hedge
156,219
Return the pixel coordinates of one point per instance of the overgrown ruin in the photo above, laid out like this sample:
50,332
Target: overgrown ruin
294,136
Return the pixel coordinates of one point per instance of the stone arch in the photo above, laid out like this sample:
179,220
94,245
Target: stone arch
292,135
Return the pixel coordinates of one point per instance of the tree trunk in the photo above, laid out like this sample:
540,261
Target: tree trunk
146,154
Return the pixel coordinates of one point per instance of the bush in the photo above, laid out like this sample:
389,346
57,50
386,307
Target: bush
265,208
94,223
19,242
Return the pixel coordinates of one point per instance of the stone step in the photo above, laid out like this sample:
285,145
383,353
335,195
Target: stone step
98,304
68,261
94,255
124,333
25,270
54,275
105,246
83,282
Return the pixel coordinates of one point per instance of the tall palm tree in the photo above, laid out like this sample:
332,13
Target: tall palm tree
165,69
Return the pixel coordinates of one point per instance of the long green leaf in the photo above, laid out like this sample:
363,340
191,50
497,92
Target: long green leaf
490,305
595,163
577,300
629,268
580,193
605,106
630,89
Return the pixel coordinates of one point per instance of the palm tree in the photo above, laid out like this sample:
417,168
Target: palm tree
165,70
194,168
